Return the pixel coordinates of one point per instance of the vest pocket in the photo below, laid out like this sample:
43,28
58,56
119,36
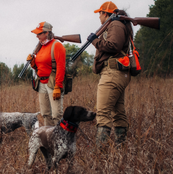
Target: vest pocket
51,81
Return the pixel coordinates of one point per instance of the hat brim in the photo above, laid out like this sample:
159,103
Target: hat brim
96,11
37,31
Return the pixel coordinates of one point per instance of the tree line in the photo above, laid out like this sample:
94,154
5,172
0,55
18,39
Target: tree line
81,66
156,46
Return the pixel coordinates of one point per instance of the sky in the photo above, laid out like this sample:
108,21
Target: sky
19,17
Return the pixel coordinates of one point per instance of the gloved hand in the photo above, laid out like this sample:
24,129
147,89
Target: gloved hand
91,37
56,92
32,59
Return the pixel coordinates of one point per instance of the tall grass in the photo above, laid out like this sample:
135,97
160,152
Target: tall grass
149,146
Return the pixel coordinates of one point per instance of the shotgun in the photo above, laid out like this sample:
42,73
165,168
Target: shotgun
152,22
69,38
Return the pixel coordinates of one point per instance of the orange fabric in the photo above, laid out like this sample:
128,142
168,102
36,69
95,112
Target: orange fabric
108,7
56,92
136,55
32,61
43,62
42,26
29,57
125,61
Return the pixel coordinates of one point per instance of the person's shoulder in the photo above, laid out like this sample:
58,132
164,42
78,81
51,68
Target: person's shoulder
58,43
117,23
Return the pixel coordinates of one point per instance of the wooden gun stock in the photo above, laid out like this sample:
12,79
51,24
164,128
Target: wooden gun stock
69,38
152,22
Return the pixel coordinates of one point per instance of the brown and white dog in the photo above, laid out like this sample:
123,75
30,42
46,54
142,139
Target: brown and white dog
58,142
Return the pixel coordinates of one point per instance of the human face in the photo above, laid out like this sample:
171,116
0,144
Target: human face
42,36
103,17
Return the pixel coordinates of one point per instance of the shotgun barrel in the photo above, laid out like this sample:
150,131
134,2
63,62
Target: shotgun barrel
69,38
152,22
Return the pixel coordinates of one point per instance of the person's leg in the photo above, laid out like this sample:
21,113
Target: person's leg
107,96
120,121
56,106
110,98
45,107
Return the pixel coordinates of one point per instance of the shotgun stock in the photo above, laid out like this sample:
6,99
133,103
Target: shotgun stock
152,22
69,38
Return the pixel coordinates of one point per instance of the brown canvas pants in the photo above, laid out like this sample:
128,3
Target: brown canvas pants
51,110
110,98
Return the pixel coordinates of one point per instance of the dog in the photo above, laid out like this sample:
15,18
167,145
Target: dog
58,142
9,121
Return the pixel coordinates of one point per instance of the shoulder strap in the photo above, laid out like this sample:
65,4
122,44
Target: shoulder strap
53,58
132,44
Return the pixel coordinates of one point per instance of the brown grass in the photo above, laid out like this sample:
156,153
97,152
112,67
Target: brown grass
149,105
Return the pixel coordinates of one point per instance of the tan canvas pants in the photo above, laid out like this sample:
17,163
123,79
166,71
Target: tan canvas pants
51,110
110,98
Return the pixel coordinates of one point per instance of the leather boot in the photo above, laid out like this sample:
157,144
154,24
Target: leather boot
120,134
103,134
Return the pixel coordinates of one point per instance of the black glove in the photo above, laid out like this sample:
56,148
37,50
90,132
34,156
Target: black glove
91,37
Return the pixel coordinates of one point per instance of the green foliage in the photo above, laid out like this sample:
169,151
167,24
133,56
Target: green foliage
16,71
5,73
155,46
82,64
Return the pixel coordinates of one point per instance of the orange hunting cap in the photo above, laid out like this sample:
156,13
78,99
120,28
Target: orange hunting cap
108,7
43,26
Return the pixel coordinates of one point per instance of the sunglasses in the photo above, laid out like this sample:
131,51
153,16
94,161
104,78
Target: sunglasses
42,33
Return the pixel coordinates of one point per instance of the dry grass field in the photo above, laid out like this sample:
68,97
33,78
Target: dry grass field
149,146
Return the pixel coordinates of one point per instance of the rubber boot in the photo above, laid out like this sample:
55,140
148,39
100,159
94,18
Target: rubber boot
103,134
120,134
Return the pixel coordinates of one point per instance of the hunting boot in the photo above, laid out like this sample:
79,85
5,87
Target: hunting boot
103,134
120,134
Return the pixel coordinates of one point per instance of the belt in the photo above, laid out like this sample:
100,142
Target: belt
111,63
43,78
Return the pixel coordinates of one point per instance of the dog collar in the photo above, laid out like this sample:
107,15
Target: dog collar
69,126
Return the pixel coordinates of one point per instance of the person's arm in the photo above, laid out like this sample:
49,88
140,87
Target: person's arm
60,57
114,41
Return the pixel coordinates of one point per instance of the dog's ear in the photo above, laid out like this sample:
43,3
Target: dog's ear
68,112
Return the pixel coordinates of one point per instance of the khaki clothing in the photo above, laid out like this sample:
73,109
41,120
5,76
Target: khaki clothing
110,98
51,110
112,84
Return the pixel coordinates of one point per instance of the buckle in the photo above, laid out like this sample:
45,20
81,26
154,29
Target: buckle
105,63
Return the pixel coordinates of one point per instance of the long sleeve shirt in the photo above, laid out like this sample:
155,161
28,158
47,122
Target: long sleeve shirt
43,62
